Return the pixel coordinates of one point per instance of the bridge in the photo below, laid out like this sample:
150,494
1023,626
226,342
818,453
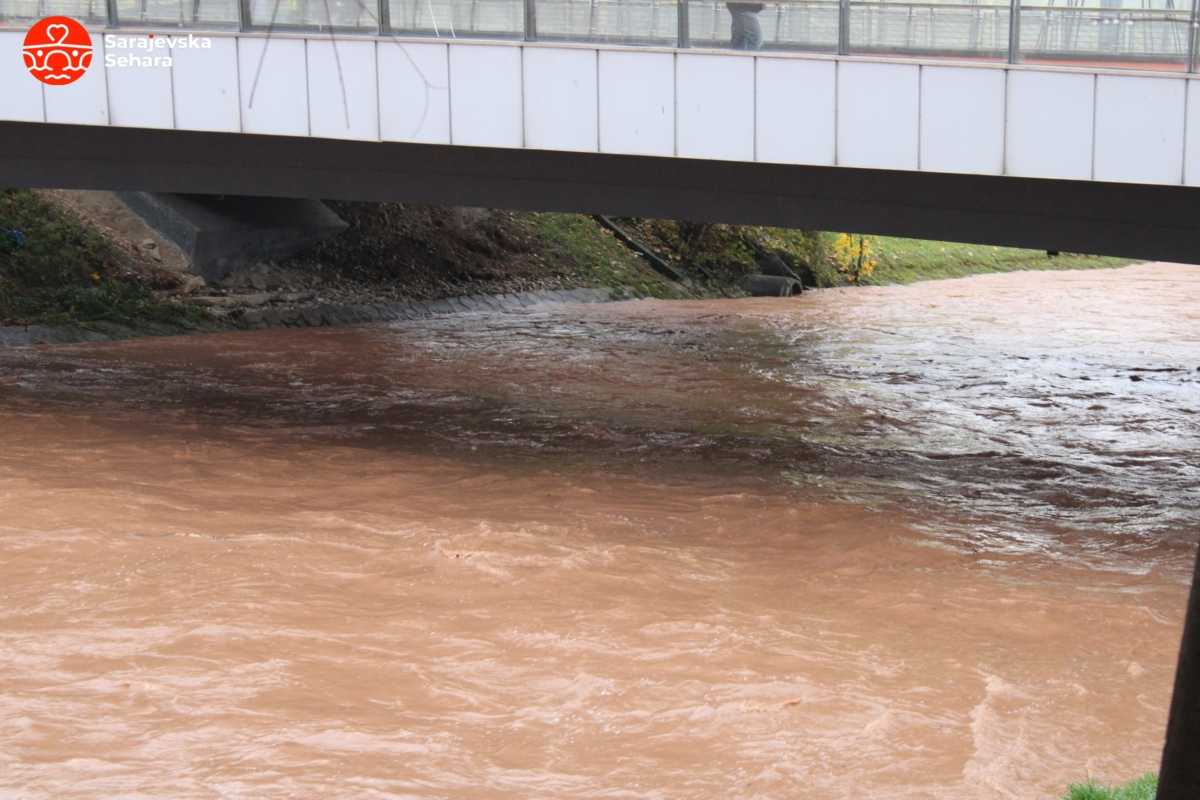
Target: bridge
1069,128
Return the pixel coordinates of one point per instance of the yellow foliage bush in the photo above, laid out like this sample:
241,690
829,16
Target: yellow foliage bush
852,255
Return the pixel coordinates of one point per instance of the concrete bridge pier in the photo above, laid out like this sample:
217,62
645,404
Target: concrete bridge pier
219,234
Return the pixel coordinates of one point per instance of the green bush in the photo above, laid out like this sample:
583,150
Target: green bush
808,253
56,251
57,270
723,255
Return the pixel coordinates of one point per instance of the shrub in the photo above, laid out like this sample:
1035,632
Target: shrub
54,269
853,257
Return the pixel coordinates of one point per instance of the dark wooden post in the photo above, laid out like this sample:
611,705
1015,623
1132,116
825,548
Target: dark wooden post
1180,775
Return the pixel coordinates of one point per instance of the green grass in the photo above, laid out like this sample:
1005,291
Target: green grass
595,256
59,271
1144,788
908,260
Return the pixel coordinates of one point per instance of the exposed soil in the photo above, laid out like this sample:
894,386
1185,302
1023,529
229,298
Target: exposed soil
401,251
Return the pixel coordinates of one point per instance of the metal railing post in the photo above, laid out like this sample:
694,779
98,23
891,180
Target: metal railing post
843,27
384,16
244,19
113,17
531,20
1191,45
1014,31
684,34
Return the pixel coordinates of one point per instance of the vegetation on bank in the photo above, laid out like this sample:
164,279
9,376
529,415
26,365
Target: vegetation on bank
581,246
909,260
55,270
1143,788
429,252
723,255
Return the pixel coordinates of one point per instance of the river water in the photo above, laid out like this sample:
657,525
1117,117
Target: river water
912,542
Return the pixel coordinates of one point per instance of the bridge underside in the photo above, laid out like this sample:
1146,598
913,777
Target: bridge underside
1151,222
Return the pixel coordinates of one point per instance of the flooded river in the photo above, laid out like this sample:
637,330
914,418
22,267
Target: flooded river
912,542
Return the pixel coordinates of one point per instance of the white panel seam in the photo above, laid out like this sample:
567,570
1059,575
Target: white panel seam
598,96
920,78
174,114
1184,144
237,62
108,115
1095,114
837,123
754,113
308,104
1004,128
521,80
675,101
920,117
375,56
449,96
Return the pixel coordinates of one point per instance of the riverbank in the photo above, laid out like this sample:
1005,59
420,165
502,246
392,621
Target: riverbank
67,276
911,260
69,273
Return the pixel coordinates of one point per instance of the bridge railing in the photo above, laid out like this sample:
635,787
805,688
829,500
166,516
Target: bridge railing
1138,34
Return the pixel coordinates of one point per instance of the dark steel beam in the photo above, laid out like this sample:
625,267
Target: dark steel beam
1152,222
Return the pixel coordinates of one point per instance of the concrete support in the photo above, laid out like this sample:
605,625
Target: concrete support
1179,778
219,234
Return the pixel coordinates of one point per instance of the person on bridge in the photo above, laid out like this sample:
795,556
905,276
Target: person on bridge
745,33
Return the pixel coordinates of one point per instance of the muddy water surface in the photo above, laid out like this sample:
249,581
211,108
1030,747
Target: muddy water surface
921,542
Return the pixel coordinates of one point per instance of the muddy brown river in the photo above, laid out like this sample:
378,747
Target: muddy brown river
911,542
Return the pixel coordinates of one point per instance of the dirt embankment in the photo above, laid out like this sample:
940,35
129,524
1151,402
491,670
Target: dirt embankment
78,265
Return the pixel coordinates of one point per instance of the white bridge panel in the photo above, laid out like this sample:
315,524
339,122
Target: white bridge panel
1139,129
795,111
1050,117
84,102
962,120
274,88
21,98
715,107
139,96
877,115
561,96
206,87
343,99
637,103
485,95
414,93
782,108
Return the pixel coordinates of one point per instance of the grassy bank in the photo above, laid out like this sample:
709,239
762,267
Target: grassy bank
723,255
56,270
591,254
427,252
1144,788
909,260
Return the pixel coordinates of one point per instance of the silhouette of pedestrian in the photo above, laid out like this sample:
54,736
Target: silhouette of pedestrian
745,33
